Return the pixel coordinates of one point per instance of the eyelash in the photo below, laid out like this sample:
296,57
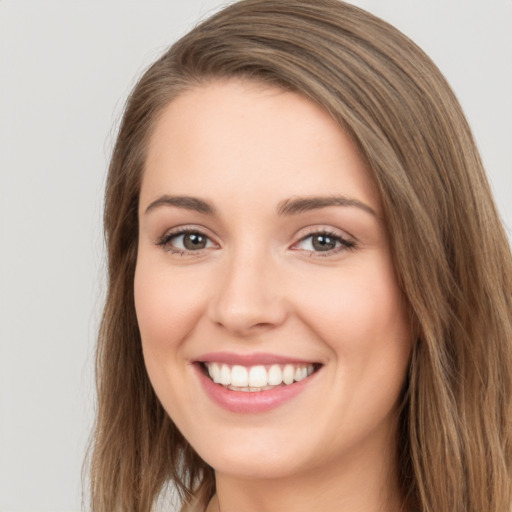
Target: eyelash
345,244
165,240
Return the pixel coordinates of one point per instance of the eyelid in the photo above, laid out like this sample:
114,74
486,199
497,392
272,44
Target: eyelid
177,231
348,242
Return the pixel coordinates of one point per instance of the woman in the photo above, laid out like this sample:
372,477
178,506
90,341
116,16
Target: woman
309,302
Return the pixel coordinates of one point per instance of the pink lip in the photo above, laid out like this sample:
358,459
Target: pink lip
249,359
247,402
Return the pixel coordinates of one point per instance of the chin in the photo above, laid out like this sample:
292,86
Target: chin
256,456
259,467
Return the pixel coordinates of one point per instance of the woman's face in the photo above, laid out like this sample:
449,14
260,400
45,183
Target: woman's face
263,261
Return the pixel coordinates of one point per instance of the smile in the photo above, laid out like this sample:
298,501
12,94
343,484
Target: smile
255,383
257,378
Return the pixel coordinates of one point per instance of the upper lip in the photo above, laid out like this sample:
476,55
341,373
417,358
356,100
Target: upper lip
259,358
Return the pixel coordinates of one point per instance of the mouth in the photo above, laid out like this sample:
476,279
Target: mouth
257,378
254,383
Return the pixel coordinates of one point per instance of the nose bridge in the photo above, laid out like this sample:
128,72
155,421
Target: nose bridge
247,298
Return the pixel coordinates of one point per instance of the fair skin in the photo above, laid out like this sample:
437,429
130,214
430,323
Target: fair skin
237,266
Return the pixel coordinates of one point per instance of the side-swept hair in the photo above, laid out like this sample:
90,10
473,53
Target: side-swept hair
450,251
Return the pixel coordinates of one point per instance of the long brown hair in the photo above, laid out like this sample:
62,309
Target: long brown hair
450,251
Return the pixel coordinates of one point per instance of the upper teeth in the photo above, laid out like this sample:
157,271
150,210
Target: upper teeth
257,378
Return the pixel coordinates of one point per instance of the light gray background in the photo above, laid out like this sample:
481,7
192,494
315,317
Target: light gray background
66,68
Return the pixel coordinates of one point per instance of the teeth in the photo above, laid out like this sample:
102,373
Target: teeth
275,375
214,372
257,378
300,373
239,376
225,375
288,374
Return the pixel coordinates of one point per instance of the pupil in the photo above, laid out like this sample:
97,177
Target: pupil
323,243
194,241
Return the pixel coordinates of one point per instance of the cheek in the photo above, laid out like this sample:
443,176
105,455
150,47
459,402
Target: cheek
360,313
168,306
362,317
168,309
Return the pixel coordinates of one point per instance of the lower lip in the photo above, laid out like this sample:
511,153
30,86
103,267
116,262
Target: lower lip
251,402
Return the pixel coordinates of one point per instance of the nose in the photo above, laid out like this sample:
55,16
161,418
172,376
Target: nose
246,300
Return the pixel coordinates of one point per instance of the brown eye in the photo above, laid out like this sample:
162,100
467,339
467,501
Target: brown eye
323,242
194,241
186,242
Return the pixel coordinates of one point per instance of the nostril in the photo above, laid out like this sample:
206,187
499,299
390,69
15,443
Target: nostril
244,328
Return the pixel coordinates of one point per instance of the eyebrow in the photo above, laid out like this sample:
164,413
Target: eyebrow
293,206
187,202
299,205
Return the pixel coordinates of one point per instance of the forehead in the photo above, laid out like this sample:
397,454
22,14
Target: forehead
253,139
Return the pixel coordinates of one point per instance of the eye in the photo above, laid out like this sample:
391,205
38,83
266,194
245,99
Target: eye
186,241
323,242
